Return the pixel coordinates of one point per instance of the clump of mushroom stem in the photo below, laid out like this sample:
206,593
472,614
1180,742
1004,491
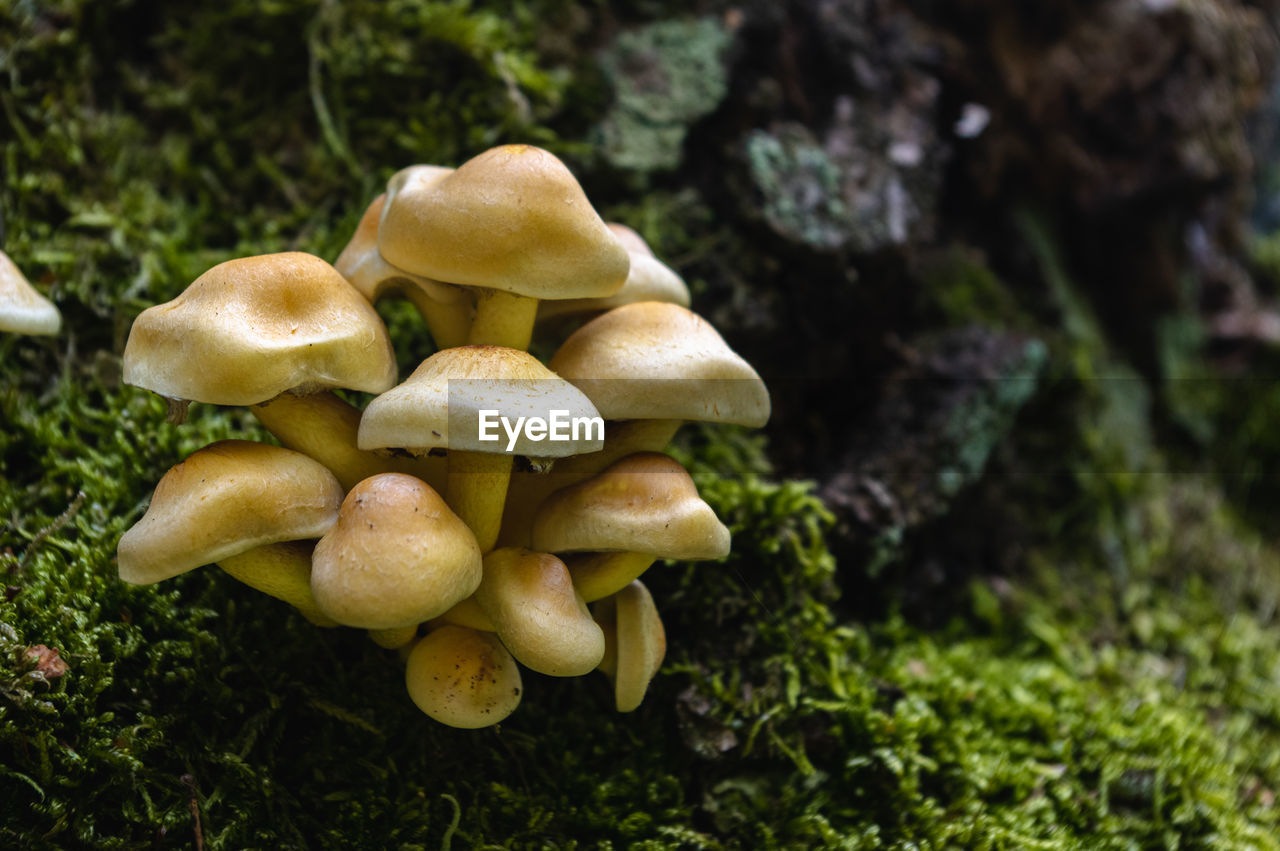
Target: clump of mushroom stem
468,556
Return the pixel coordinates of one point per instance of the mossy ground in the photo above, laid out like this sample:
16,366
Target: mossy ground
1117,687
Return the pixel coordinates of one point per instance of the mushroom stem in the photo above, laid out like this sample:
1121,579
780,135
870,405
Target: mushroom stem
448,324
323,427
598,575
282,571
529,490
394,638
477,492
503,319
469,614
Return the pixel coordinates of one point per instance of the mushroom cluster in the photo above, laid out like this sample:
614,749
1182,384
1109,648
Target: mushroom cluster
470,555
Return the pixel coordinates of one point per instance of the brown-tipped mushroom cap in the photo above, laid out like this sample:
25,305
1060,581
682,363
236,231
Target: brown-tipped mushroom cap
248,330
649,280
224,500
368,271
397,556
539,616
513,219
463,678
645,503
628,362
451,387
637,643
22,309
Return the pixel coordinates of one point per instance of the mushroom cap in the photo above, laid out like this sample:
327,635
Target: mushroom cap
636,641
368,271
513,218
463,678
224,500
654,360
397,556
248,330
538,615
439,404
649,280
645,503
22,309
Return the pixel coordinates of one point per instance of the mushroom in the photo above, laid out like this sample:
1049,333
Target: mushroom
395,557
513,221
446,309
439,406
463,677
635,643
537,613
654,360
649,280
22,309
529,489
643,508
249,330
235,503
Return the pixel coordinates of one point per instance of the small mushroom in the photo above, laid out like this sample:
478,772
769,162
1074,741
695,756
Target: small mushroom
228,504
642,508
537,613
513,221
445,308
395,557
22,309
636,643
649,280
249,330
463,677
529,489
654,360
439,406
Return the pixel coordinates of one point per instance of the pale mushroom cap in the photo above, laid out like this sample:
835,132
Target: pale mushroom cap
513,218
397,556
637,643
439,405
250,329
368,271
649,280
645,503
22,309
654,360
633,242
224,500
463,678
538,615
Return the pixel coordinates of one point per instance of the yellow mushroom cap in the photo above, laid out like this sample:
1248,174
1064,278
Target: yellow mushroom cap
513,218
463,678
654,360
537,613
226,499
645,503
368,271
439,405
649,280
397,556
22,309
637,643
250,329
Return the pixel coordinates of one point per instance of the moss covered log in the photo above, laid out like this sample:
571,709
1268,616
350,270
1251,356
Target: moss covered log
1068,640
